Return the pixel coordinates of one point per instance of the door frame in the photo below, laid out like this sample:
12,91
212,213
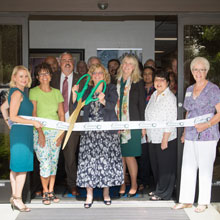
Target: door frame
187,19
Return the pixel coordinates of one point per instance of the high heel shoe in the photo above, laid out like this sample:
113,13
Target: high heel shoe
15,207
88,205
11,199
122,190
121,194
132,194
107,202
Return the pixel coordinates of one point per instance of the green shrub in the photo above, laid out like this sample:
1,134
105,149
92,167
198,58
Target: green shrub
4,156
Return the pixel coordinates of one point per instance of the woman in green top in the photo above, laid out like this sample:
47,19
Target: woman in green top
48,103
130,107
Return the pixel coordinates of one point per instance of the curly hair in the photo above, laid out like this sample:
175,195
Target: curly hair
93,68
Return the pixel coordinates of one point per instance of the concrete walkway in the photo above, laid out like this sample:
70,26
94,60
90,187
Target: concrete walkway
6,212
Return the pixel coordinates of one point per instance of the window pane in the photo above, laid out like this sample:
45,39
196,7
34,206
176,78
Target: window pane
202,40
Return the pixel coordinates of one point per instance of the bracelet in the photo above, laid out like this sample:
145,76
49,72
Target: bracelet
6,119
209,124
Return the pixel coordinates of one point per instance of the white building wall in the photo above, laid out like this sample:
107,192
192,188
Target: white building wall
92,35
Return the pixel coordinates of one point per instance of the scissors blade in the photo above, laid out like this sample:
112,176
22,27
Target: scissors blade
72,121
61,132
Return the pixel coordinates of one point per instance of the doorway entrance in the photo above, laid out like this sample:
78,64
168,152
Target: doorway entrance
198,35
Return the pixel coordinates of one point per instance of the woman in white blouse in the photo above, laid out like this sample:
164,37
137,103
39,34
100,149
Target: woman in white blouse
162,141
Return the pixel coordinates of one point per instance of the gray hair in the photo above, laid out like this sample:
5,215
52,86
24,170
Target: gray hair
64,53
202,60
91,58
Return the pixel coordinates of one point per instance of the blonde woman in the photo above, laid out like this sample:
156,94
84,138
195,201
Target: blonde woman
100,163
130,107
21,136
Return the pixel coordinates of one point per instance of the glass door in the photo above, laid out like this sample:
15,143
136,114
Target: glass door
13,51
199,35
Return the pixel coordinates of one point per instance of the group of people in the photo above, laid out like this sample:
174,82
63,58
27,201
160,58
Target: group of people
106,156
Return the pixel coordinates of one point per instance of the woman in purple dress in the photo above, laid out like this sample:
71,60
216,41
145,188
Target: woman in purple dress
201,140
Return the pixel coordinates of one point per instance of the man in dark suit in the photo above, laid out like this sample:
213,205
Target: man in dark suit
64,81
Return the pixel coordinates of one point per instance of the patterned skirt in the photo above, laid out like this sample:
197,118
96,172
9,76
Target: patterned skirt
100,160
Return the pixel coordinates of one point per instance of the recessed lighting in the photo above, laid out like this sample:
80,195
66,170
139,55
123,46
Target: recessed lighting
159,51
165,38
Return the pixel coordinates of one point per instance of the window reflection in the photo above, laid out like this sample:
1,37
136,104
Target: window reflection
10,56
203,40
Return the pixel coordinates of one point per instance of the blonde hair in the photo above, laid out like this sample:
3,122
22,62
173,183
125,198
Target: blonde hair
94,67
15,71
136,74
202,60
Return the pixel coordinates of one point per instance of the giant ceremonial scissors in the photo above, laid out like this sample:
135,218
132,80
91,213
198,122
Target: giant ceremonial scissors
80,105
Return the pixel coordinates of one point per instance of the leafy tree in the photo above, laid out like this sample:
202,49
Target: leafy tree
204,40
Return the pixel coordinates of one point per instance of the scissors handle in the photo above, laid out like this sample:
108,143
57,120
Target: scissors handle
80,94
89,98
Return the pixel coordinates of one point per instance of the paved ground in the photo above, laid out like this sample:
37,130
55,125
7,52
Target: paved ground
123,206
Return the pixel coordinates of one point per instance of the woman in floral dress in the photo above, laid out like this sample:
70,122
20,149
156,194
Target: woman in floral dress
100,161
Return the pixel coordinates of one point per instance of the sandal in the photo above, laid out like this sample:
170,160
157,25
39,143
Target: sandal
182,206
88,205
53,198
155,198
89,202
46,199
201,208
15,207
107,200
11,199
151,193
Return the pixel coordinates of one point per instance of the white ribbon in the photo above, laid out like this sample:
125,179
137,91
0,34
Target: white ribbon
119,125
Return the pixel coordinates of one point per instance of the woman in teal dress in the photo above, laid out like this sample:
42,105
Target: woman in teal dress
21,136
130,107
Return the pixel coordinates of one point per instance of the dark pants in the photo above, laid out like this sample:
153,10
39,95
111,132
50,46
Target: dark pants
70,159
144,169
163,164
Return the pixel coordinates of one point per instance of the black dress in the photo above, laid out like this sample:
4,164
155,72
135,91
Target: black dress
100,160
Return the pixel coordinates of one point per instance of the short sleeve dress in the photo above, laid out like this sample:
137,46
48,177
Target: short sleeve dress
204,104
21,138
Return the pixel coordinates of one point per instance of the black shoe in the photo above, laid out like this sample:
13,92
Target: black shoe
151,193
155,198
121,194
107,202
131,195
88,205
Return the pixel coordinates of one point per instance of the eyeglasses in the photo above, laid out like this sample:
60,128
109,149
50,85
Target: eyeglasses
159,80
66,61
199,70
97,73
43,74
